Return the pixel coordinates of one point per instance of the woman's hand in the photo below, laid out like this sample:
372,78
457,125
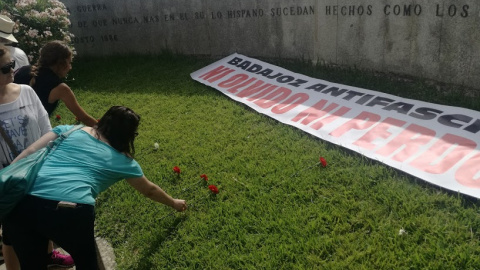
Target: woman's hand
179,205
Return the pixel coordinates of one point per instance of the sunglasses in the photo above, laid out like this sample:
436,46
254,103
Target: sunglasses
6,69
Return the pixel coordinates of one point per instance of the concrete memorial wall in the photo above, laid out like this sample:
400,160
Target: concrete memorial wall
433,39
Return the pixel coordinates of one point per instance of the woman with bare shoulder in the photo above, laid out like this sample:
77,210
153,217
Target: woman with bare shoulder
46,78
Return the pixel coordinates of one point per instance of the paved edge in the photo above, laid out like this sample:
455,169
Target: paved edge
105,255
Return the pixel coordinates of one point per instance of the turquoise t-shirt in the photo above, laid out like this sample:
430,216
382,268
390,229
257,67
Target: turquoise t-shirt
80,168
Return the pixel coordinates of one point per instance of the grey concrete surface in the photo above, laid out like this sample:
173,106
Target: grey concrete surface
106,256
433,39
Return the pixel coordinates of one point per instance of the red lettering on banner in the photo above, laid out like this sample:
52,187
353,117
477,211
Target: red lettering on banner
379,131
234,89
274,98
411,139
435,147
263,93
447,151
255,88
234,80
334,116
363,121
290,103
465,175
312,113
216,74
317,111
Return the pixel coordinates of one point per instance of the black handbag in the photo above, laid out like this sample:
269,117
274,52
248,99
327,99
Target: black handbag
17,179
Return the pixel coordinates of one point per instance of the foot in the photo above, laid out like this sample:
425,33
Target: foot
57,259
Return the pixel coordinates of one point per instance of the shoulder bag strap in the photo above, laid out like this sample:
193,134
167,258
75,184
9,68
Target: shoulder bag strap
55,143
64,135
9,141
75,128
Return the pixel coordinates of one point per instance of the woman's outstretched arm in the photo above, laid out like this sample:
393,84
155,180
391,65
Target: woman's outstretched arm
64,93
154,192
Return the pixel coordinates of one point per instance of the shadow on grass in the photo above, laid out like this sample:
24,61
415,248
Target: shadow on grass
157,243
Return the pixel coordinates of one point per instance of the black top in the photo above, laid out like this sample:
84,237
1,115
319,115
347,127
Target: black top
45,81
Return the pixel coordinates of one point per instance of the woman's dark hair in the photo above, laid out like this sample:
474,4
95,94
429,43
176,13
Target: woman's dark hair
119,126
52,53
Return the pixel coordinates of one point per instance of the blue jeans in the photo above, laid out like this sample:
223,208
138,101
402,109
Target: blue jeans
35,220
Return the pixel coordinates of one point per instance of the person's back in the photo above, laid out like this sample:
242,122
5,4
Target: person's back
45,82
91,165
87,162
46,78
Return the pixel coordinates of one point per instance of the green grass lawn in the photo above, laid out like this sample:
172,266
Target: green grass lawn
276,208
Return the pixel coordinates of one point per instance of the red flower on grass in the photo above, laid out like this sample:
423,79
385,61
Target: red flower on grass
204,176
213,188
176,170
58,117
323,161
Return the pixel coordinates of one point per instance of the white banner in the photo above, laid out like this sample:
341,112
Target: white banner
439,144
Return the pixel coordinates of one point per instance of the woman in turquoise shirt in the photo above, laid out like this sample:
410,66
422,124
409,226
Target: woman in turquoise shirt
60,205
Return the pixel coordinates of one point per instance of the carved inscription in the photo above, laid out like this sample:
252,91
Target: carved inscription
88,8
91,8
102,22
292,11
110,24
405,10
83,39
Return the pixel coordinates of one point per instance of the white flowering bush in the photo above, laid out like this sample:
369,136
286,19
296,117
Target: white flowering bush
37,22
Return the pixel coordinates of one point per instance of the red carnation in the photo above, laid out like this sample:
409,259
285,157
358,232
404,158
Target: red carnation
204,176
323,161
213,188
58,117
176,170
